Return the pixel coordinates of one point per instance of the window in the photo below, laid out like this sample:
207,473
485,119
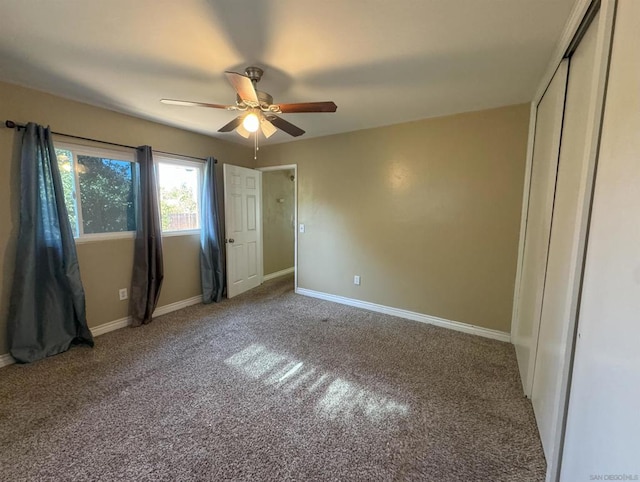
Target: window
179,189
98,189
99,192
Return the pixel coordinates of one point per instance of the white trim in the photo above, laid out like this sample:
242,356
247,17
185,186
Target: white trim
112,236
93,147
161,310
286,167
523,220
277,274
178,305
184,232
103,151
7,359
110,326
177,160
568,33
410,315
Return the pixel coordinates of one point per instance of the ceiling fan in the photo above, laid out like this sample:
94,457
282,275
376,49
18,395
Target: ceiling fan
259,111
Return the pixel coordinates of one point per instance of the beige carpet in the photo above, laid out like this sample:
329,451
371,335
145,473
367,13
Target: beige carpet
271,386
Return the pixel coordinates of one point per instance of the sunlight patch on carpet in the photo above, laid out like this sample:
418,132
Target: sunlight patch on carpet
340,398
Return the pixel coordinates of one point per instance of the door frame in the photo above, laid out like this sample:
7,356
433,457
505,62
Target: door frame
287,167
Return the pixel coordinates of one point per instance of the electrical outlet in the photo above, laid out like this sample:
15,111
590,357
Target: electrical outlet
356,280
123,294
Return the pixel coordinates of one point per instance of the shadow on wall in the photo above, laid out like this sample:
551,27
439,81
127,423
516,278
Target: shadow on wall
337,398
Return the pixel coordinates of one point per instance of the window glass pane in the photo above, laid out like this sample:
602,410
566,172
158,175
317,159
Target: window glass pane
65,164
179,195
106,194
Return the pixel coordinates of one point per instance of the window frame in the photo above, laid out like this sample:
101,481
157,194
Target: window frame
176,160
101,152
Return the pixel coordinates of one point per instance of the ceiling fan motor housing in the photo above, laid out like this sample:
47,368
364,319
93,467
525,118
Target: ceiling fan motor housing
266,100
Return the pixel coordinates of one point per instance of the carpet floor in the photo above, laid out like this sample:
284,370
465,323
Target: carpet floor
271,386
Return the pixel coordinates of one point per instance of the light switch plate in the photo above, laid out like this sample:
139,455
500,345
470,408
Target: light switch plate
302,228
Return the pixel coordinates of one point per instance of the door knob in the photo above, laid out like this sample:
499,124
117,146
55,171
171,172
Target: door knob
232,240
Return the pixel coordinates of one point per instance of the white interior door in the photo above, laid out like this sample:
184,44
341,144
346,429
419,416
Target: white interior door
541,194
243,228
566,248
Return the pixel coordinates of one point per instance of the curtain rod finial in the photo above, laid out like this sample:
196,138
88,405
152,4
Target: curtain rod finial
10,124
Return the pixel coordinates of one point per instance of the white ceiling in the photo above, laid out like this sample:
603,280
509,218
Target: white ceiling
381,61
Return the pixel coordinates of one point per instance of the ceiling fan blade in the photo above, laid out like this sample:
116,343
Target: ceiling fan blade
232,125
308,107
284,125
243,132
268,129
188,103
243,86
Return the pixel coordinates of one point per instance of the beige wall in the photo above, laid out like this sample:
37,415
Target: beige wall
427,213
105,265
277,220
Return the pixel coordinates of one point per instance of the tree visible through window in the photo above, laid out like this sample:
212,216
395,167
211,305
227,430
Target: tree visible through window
106,193
98,190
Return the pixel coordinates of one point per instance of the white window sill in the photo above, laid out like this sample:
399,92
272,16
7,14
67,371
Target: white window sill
91,238
190,232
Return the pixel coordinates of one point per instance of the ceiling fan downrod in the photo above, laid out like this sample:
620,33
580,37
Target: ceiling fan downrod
254,73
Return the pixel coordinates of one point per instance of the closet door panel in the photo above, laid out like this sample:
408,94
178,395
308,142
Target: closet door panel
564,266
541,196
603,421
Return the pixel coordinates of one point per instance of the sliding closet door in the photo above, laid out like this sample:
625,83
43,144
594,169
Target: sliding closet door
564,267
541,193
603,422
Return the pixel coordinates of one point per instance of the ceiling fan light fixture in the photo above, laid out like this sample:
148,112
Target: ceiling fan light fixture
251,122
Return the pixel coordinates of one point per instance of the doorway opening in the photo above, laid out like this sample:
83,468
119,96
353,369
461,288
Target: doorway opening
280,221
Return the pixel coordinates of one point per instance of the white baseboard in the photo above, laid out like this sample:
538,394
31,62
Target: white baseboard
7,359
277,274
178,305
110,326
410,315
159,311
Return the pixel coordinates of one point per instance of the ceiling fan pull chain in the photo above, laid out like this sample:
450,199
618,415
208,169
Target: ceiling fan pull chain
255,146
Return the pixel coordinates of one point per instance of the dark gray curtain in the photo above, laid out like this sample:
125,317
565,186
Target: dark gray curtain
148,271
211,271
47,308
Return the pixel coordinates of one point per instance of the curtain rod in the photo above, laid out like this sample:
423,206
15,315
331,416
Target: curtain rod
14,125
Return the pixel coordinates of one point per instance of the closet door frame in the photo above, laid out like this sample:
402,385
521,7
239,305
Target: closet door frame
573,29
